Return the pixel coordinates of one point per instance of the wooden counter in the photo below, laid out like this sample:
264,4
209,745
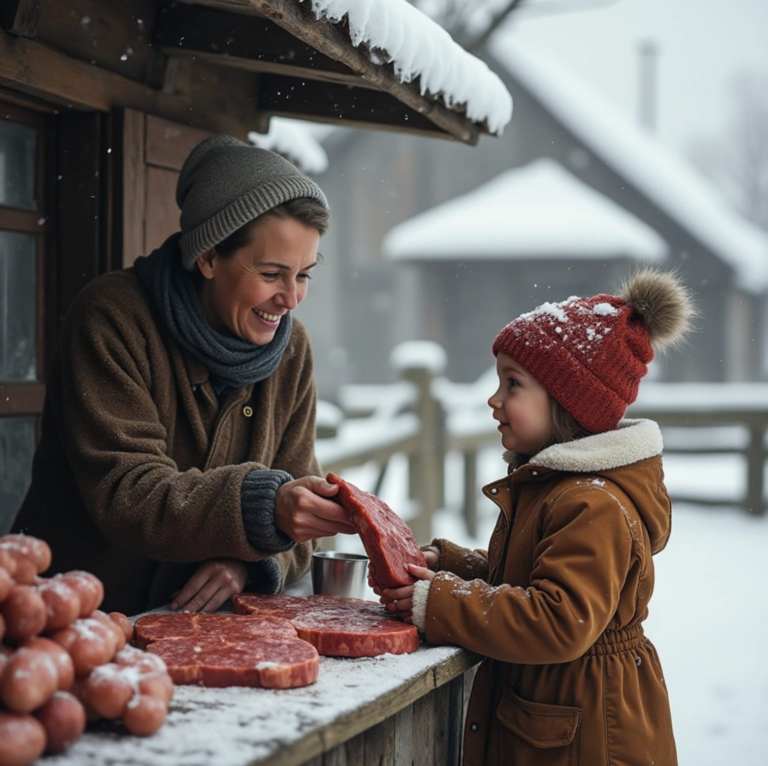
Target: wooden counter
396,710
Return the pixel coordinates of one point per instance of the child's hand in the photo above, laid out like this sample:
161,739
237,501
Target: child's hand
432,557
214,582
372,580
400,600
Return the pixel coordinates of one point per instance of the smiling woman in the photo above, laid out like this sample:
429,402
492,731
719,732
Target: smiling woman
176,457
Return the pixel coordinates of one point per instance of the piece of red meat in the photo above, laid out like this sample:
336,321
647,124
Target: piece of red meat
271,663
163,627
336,626
388,541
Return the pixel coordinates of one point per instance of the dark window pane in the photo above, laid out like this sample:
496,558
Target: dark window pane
18,344
17,165
17,445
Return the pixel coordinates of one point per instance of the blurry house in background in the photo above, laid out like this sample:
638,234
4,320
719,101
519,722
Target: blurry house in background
469,253
364,303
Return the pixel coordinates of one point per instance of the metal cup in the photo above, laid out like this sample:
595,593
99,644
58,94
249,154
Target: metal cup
339,574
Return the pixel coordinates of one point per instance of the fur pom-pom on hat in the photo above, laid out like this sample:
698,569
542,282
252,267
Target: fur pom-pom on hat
662,303
591,353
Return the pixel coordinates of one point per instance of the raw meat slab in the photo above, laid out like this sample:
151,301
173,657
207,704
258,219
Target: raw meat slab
388,541
270,663
336,626
162,627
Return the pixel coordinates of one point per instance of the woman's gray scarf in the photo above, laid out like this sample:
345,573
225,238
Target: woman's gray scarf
231,361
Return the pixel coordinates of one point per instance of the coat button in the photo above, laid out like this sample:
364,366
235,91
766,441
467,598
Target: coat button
638,662
194,388
473,728
493,492
534,473
248,411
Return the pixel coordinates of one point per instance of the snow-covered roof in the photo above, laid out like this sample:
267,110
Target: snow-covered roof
660,174
539,210
420,48
293,140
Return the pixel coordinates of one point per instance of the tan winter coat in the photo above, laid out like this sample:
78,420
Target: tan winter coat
138,471
556,606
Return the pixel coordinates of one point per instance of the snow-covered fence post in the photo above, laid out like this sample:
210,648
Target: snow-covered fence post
420,362
470,491
754,500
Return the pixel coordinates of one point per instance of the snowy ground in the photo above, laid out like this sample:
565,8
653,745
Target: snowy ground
709,614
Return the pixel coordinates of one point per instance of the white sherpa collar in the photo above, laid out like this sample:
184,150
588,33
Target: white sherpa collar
633,440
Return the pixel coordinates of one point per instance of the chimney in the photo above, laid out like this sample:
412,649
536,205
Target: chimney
649,53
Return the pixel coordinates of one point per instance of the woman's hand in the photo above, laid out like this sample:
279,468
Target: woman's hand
400,600
303,512
214,582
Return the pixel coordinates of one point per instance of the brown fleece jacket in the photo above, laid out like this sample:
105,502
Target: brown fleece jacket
138,472
556,606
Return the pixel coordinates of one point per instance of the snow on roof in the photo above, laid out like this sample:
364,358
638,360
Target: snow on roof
293,140
660,174
539,210
419,47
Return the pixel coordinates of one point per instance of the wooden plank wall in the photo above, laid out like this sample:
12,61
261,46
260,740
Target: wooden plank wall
427,733
153,152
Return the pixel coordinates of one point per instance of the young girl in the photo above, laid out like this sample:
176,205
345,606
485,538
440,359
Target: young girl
557,602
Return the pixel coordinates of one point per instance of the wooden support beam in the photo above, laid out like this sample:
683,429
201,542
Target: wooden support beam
298,19
341,105
215,100
20,17
244,42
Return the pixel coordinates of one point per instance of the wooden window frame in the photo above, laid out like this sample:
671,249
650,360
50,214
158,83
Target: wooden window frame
19,398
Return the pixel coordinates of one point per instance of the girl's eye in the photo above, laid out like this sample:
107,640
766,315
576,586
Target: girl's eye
512,383
269,275
305,277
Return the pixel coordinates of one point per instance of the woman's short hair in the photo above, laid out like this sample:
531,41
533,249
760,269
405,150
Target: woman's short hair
304,209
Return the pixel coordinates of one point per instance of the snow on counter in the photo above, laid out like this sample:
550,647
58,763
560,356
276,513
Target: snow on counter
237,726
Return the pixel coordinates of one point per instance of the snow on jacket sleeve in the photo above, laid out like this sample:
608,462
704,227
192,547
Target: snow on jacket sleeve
464,562
117,446
580,566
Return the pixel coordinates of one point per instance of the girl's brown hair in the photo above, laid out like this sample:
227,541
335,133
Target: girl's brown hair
565,428
305,210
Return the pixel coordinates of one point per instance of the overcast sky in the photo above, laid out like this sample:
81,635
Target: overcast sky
703,44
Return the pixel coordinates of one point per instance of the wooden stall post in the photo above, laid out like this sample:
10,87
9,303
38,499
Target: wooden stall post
426,466
754,500
470,491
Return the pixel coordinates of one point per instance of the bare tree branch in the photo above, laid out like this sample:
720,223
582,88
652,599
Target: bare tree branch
460,17
477,45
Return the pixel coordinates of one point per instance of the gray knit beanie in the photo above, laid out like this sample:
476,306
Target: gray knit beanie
224,184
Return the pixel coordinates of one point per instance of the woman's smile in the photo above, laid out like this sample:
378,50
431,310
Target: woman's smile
270,320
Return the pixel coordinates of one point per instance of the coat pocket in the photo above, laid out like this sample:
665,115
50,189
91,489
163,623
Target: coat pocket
535,733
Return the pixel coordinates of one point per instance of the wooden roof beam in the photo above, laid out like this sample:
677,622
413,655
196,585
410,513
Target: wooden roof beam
331,40
20,17
242,41
53,76
341,105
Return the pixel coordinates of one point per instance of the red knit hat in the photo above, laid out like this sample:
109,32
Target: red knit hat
589,354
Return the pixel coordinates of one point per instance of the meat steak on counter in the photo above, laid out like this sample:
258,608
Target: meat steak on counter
281,662
163,627
388,541
336,626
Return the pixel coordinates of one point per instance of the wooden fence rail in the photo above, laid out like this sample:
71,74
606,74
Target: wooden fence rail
424,417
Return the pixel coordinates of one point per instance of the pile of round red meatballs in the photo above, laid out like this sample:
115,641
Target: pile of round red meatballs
63,662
